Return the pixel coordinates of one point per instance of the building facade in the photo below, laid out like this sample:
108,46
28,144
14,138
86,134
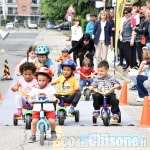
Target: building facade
21,11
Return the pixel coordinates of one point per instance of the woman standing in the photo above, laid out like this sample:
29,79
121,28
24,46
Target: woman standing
103,36
76,36
129,48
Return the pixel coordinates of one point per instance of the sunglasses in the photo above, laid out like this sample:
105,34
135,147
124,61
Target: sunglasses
86,40
125,13
145,48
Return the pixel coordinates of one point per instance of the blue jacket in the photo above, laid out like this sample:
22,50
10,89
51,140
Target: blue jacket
107,30
89,28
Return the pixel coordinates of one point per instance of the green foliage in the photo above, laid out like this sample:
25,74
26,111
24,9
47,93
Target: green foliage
42,23
4,22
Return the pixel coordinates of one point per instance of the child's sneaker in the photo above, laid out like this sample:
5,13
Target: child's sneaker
71,110
18,114
32,139
82,96
53,135
115,117
140,99
96,113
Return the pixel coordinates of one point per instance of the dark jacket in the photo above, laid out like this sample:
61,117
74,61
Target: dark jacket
81,48
139,35
144,31
107,30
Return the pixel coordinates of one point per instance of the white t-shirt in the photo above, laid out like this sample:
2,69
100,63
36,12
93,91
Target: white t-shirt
42,94
76,36
30,60
102,35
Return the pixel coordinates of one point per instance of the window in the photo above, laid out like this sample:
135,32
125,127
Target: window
10,10
10,1
23,8
1,11
34,1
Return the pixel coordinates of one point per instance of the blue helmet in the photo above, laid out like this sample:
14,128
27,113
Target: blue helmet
68,62
42,50
64,50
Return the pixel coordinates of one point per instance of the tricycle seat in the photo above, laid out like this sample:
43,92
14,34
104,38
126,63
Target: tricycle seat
108,105
25,107
65,104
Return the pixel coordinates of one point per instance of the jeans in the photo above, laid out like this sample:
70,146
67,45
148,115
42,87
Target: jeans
83,81
141,89
111,99
59,68
71,99
148,45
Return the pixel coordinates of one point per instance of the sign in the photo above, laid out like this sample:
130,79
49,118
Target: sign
69,17
71,9
88,18
99,4
113,3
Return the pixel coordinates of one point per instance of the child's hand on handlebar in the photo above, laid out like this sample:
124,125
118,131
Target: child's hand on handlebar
76,88
90,88
30,101
52,83
117,86
14,89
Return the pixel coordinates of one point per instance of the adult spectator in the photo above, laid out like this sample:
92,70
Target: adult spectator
146,28
85,48
90,25
129,48
148,3
137,6
76,36
103,36
139,35
112,21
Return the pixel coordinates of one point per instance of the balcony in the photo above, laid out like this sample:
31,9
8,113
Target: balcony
35,14
35,4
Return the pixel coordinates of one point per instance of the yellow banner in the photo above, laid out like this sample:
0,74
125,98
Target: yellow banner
119,13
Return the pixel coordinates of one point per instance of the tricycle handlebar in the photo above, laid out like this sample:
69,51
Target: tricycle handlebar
39,102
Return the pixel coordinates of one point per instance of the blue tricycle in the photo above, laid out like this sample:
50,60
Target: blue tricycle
43,125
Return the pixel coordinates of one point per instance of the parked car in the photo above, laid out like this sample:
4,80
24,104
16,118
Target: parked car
33,26
10,25
50,25
64,26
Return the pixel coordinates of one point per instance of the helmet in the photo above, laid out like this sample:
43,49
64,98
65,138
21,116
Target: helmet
64,49
42,50
46,71
68,62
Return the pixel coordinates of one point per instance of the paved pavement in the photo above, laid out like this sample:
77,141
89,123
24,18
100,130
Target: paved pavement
72,135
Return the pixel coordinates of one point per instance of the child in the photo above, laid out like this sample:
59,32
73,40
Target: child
68,82
64,56
26,83
42,54
86,70
103,82
133,72
31,57
135,19
44,76
144,66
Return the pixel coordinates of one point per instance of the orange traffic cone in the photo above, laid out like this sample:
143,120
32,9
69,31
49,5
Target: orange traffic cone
1,96
6,75
145,118
123,95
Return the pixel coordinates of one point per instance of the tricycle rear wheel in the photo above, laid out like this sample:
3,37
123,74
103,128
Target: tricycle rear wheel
94,120
15,121
77,116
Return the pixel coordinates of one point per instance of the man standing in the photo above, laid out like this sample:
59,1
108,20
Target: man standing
90,25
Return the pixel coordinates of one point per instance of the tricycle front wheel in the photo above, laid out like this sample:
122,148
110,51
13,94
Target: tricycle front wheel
42,134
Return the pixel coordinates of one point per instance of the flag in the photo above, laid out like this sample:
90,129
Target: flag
119,13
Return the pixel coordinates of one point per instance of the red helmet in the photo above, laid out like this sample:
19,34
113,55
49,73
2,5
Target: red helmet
46,71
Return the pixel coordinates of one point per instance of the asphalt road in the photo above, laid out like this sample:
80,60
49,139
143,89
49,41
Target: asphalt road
81,135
